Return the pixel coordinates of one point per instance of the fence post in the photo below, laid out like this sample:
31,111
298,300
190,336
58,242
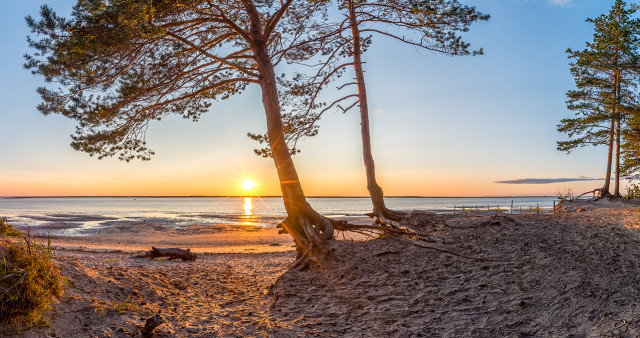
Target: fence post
512,207
537,207
554,207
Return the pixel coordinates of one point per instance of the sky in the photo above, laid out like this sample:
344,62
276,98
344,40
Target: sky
440,125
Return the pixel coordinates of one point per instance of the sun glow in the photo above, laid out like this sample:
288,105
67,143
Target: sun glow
248,185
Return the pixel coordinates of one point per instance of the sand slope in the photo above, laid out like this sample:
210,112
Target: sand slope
113,294
576,273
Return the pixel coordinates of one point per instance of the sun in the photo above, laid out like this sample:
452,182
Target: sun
248,184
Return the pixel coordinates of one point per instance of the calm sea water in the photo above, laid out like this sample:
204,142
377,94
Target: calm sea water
87,212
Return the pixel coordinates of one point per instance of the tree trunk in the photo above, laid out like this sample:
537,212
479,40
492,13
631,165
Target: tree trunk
607,178
309,230
618,117
616,189
380,211
615,127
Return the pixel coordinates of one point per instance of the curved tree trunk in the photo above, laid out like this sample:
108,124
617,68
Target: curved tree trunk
380,211
309,229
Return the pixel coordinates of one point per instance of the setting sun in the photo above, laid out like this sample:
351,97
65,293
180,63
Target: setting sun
248,185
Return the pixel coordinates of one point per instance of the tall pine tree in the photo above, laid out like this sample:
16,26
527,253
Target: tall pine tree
435,26
606,74
116,65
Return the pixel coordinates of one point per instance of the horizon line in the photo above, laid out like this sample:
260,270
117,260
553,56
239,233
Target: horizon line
261,196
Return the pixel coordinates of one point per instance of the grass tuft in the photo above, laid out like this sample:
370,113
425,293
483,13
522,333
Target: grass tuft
28,277
6,230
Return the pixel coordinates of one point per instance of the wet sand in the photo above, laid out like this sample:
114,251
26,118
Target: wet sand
575,273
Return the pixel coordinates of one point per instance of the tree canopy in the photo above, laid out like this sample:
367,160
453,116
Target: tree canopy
120,64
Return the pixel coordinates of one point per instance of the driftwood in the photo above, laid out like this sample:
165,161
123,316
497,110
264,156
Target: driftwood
172,253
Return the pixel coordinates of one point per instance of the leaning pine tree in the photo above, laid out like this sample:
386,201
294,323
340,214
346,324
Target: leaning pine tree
429,25
606,75
434,23
123,63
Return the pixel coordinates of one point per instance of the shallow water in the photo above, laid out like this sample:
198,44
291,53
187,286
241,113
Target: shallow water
70,213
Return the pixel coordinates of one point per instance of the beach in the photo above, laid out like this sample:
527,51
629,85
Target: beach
575,272
139,236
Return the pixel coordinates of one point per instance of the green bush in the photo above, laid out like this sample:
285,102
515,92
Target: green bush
28,277
633,191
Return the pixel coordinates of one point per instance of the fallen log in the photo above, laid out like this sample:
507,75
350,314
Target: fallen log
172,253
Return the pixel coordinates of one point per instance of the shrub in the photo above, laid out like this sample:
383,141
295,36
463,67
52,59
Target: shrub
6,230
633,191
565,195
28,277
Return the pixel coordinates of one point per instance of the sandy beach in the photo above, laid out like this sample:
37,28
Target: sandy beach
572,273
200,239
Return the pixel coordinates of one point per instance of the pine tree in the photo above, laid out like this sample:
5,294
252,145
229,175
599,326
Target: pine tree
431,25
606,75
120,64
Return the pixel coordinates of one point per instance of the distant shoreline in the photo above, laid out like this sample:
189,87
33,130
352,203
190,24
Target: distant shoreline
270,196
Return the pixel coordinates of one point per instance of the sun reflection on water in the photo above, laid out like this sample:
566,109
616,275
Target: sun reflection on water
247,207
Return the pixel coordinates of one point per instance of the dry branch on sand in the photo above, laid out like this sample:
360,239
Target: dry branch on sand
172,253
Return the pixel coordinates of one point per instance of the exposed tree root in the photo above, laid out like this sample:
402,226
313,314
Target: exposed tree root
311,232
606,195
376,228
387,216
599,191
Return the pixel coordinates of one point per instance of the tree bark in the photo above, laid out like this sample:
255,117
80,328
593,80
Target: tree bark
616,189
309,229
618,116
616,128
380,211
607,178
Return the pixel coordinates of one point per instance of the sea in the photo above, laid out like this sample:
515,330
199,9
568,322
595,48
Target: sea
99,212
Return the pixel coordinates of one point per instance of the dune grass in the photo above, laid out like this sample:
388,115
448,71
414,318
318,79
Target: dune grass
28,278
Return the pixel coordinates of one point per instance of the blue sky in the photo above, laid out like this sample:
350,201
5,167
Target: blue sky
441,126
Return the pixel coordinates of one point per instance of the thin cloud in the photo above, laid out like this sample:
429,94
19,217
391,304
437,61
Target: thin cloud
548,180
561,3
